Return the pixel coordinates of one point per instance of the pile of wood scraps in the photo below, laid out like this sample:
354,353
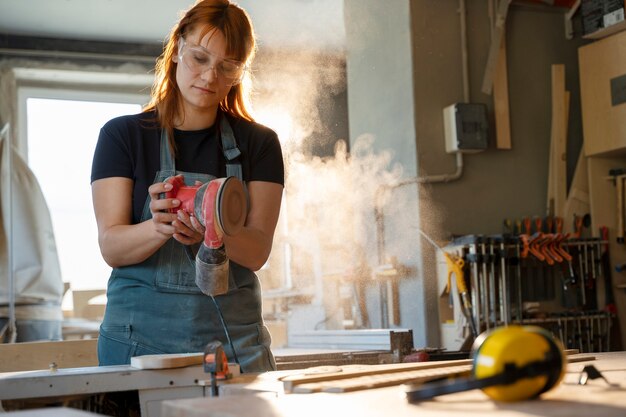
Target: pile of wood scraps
336,379
355,378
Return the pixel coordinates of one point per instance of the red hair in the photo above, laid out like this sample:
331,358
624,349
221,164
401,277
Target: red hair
235,24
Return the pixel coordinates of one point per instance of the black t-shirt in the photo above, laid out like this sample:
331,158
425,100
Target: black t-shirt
128,146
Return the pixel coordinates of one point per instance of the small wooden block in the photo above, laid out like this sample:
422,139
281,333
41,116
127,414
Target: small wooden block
166,361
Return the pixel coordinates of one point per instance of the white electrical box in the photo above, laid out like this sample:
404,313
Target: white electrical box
466,127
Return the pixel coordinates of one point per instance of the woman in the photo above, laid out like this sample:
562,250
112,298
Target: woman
198,125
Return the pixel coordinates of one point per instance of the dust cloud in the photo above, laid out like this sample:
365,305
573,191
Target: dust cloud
327,226
330,205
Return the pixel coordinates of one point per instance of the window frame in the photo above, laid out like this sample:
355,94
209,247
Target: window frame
72,85
92,86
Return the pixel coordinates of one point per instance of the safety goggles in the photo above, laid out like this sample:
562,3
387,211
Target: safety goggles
199,60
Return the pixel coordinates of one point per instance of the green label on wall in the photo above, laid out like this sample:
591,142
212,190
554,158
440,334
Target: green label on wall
618,90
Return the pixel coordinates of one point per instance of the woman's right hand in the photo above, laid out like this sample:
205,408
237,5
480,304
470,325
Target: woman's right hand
159,207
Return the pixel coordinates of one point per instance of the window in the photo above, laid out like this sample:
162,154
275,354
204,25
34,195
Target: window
62,129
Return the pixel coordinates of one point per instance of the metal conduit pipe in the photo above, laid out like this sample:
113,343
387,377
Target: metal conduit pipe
429,179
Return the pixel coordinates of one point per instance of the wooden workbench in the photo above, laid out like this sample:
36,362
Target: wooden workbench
263,397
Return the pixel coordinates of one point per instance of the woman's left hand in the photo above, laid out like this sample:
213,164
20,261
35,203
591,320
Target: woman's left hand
189,230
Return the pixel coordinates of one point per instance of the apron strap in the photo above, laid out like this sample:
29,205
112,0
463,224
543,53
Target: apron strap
231,151
229,146
167,162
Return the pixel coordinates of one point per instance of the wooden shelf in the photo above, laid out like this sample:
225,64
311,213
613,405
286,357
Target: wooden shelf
603,33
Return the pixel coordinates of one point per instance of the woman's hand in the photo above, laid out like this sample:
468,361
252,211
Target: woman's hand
182,226
189,230
159,207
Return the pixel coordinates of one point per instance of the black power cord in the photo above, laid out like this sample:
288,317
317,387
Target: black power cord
230,342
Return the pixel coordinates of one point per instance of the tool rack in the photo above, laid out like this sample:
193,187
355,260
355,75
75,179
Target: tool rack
544,279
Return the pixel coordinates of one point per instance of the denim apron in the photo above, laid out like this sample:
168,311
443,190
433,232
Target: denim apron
155,307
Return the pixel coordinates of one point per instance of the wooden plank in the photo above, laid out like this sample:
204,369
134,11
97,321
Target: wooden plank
562,163
578,197
551,177
557,163
578,203
418,376
560,104
166,361
347,379
501,100
310,376
494,48
384,380
84,307
32,356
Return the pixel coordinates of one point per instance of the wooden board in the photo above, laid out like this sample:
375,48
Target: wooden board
314,375
32,356
558,140
494,47
379,380
89,304
578,197
166,361
501,100
412,376
359,377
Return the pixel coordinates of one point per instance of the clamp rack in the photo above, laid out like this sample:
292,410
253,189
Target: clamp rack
544,279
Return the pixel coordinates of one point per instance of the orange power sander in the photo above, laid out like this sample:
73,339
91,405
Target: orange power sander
221,207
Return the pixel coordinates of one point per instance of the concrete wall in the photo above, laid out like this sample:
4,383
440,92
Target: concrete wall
401,77
496,184
381,103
